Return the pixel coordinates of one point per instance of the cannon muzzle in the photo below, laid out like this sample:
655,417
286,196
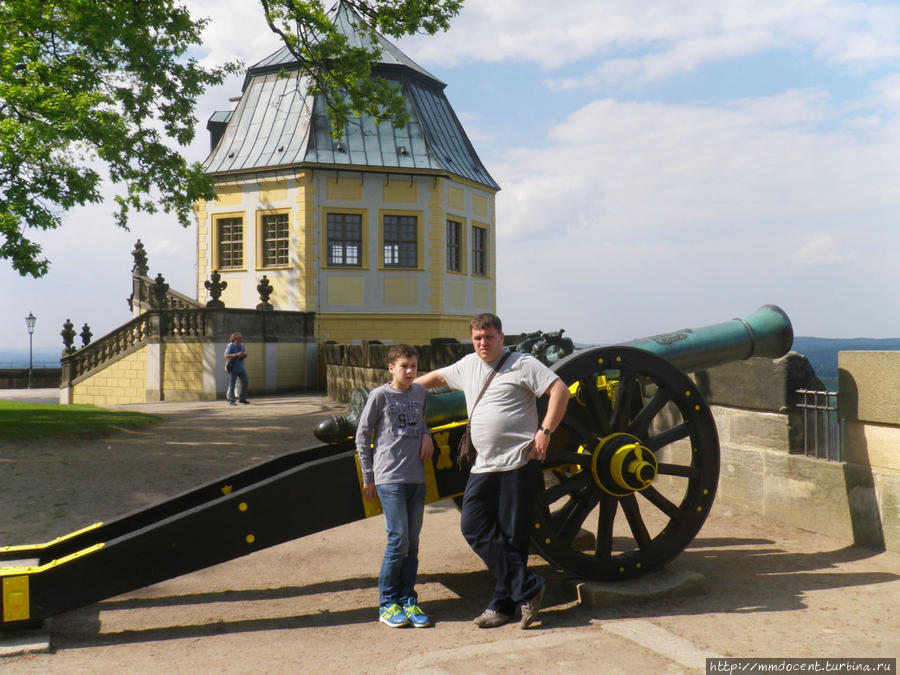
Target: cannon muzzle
766,332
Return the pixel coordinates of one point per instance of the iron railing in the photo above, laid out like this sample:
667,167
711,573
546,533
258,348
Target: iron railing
823,428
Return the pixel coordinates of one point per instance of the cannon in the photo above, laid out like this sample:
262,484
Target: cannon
629,480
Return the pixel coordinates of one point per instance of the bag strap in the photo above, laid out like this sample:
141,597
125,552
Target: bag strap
488,380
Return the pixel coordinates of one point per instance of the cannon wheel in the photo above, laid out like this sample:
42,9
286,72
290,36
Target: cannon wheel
632,469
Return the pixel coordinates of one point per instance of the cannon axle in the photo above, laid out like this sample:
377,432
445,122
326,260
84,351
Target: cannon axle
620,465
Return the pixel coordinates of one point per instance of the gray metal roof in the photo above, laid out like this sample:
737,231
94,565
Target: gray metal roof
276,124
347,21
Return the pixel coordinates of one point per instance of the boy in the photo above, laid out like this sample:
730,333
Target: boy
393,421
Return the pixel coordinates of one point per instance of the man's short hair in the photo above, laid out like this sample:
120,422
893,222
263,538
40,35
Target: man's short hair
401,351
486,320
234,336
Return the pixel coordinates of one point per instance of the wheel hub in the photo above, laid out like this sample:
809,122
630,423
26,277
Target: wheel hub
621,465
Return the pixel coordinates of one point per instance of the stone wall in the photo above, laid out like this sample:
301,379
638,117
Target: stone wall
17,378
764,470
365,365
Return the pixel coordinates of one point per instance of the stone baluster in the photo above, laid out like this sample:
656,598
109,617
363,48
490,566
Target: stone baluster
265,290
68,336
140,260
158,292
215,286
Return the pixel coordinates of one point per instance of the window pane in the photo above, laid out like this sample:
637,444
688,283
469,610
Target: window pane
344,239
401,241
231,242
453,231
276,230
479,250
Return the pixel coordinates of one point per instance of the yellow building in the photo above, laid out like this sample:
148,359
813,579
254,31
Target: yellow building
384,233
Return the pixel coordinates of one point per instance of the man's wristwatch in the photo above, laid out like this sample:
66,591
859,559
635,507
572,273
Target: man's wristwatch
545,430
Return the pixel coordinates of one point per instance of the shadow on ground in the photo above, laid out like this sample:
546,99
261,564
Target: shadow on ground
742,576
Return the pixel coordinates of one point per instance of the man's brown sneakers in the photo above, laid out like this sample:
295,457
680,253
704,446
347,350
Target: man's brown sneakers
531,608
491,618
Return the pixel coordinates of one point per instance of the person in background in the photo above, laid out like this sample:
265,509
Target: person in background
235,355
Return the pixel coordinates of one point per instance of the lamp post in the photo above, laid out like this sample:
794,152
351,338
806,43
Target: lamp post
30,320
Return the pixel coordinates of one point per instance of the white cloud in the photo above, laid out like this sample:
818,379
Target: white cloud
652,39
693,213
236,30
820,249
476,134
887,92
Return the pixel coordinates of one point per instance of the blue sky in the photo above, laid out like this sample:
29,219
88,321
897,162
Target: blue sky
663,165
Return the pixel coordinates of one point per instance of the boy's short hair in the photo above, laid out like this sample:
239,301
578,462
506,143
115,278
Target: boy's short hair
401,351
486,320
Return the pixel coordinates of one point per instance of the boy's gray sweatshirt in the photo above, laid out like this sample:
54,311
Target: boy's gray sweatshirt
394,420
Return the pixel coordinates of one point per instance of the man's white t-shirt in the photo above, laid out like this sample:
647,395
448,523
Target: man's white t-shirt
505,419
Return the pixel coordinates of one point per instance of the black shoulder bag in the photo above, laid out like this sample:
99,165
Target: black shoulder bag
466,452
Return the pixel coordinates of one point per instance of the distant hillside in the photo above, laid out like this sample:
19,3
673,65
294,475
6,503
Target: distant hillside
42,357
822,352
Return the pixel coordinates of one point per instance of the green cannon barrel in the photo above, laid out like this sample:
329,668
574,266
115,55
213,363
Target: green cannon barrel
766,332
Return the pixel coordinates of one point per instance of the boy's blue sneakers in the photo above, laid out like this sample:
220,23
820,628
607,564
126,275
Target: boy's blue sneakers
414,614
393,616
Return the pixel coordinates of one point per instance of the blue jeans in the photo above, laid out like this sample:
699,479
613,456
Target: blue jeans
496,520
233,378
404,506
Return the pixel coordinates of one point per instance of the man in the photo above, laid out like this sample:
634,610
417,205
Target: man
504,482
235,355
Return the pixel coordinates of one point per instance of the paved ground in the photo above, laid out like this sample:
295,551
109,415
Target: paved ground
32,395
308,605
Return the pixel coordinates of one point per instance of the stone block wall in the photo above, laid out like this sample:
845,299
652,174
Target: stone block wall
365,365
123,381
17,378
292,367
182,370
764,470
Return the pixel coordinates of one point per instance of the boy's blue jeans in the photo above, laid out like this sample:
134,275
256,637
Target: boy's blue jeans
404,506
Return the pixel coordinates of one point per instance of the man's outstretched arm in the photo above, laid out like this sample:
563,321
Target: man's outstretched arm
431,380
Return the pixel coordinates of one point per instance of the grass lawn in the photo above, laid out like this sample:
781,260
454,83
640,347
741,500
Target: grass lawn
19,419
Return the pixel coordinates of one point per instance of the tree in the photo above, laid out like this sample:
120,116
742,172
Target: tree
341,72
88,84
94,85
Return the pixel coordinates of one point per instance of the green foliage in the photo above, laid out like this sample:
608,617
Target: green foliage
33,420
88,84
92,83
341,72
